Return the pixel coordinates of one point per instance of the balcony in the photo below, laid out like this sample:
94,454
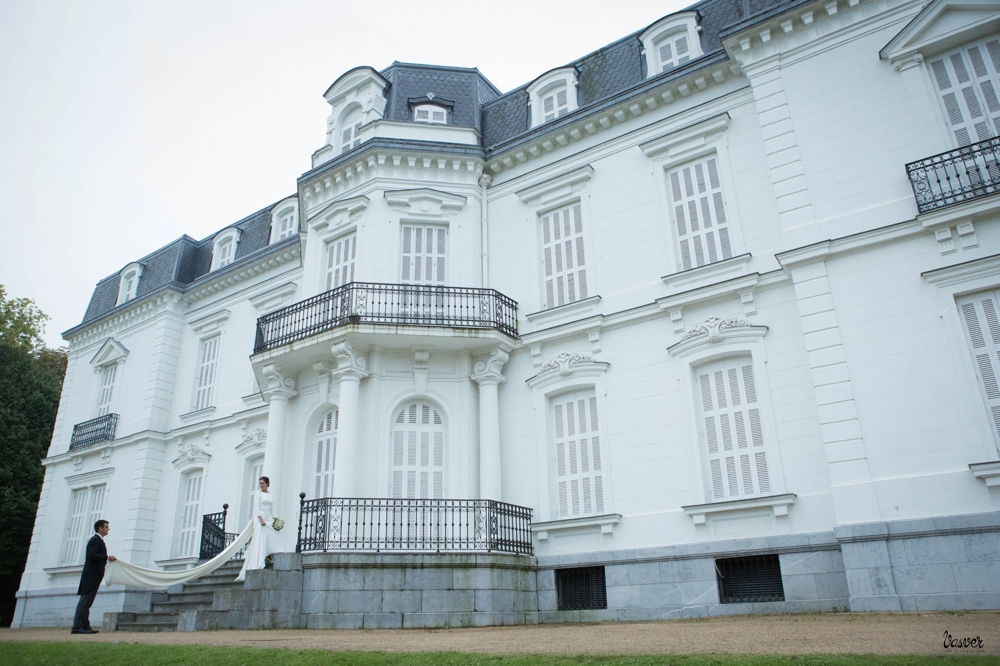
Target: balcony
413,525
957,176
94,431
408,305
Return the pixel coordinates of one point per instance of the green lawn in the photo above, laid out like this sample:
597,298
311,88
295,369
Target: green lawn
129,654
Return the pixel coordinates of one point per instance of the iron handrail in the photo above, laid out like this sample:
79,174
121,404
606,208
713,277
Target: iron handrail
94,431
956,176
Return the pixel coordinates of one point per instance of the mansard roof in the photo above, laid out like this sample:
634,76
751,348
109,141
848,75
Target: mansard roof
466,87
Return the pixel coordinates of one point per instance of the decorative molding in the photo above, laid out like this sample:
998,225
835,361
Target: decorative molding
988,472
197,416
52,572
987,267
594,338
714,327
210,324
918,39
680,142
421,369
190,454
563,361
424,201
605,521
677,319
715,330
254,440
110,352
778,503
562,314
967,235
536,355
491,369
556,187
337,213
239,271
90,478
280,380
323,370
273,298
709,274
349,359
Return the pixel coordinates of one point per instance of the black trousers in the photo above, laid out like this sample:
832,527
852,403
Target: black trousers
81,620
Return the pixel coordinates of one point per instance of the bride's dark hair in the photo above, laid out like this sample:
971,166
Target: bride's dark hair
265,480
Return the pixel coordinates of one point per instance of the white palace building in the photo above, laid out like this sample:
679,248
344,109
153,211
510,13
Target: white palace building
704,322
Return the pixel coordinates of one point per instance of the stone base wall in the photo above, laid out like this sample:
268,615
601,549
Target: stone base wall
56,607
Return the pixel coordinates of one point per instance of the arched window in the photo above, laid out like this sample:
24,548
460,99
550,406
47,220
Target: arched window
350,130
418,452
326,453
430,113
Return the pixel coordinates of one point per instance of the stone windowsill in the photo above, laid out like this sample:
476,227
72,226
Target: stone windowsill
606,522
74,569
200,415
702,276
988,472
562,314
253,400
778,503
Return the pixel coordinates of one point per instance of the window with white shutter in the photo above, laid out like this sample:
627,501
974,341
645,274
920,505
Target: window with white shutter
980,315
76,527
129,287
255,471
430,113
190,535
673,51
350,132
699,211
564,261
107,388
286,226
96,502
555,103
208,361
225,254
418,453
340,255
326,453
731,430
579,476
968,84
423,254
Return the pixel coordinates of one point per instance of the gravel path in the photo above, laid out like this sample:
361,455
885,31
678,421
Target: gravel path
868,633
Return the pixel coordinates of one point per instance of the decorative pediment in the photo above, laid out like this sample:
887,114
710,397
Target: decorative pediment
354,81
110,352
255,439
360,88
943,25
425,201
565,365
210,324
191,454
337,213
715,330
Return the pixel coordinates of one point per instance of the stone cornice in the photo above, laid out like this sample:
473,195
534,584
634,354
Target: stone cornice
209,285
964,272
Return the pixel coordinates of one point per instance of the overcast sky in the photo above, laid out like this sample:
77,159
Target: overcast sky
124,125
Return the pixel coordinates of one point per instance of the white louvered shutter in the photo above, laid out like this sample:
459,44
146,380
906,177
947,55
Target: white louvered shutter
190,516
564,261
326,453
286,226
75,529
423,255
418,453
699,209
979,313
555,104
256,471
340,261
351,137
578,455
225,254
674,51
731,430
108,375
207,370
96,503
968,85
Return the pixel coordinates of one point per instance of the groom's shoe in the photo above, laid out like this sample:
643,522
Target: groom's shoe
85,631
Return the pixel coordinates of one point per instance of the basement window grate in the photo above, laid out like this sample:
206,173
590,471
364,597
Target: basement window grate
581,588
753,579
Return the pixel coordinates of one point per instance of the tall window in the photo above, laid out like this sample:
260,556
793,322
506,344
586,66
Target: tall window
563,257
225,254
731,430
968,85
555,103
326,453
430,113
350,133
699,210
418,452
85,508
673,51
208,361
286,226
190,515
340,261
108,375
578,454
423,254
255,468
981,316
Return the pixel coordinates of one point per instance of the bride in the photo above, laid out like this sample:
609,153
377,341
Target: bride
264,541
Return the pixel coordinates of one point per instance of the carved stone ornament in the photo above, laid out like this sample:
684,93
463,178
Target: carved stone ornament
713,326
348,358
256,437
191,453
278,378
563,361
492,367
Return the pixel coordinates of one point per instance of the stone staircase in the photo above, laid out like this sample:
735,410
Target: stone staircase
166,608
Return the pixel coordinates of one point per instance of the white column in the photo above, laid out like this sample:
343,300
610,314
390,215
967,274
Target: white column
489,378
280,387
350,371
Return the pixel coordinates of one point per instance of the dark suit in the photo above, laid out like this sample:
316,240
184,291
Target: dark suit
90,581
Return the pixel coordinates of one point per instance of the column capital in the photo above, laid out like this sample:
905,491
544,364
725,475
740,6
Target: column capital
350,361
489,371
280,381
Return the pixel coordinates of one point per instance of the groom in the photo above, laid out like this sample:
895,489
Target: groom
93,574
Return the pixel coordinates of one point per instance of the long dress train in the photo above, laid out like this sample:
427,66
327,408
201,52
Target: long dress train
265,539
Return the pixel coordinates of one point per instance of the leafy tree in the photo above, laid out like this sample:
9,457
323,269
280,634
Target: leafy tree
31,377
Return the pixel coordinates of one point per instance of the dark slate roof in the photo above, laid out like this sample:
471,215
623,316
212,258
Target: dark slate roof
181,263
466,87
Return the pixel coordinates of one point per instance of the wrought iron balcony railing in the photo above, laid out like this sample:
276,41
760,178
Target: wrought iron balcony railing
215,538
435,525
94,431
954,177
393,304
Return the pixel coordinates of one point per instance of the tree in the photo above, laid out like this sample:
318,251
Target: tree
31,377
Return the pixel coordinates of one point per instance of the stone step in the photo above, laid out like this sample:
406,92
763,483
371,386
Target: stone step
189,596
208,588
148,626
173,606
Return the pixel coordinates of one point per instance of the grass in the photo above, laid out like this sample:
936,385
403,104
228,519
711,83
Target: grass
128,654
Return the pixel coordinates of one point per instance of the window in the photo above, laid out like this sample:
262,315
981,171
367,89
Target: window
286,226
208,359
671,42
430,113
255,469
699,211
673,51
418,452
423,254
563,256
578,455
86,506
350,133
224,247
968,85
129,284
749,580
326,453
340,261
554,104
225,254
731,430
552,95
108,375
190,535
581,588
981,316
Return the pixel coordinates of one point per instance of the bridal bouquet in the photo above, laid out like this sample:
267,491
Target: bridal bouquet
278,524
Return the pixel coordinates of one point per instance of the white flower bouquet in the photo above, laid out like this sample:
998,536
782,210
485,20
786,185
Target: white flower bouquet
278,524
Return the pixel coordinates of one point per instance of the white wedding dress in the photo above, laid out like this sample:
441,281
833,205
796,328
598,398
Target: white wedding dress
265,539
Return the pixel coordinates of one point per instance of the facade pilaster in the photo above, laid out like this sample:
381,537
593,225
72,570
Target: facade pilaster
489,379
351,369
143,495
163,371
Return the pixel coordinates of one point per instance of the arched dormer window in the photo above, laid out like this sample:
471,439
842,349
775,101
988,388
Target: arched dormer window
430,113
129,285
350,129
671,42
285,219
224,247
553,95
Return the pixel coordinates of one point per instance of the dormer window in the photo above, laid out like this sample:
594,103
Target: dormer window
553,95
350,132
129,285
671,42
224,247
430,113
284,220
